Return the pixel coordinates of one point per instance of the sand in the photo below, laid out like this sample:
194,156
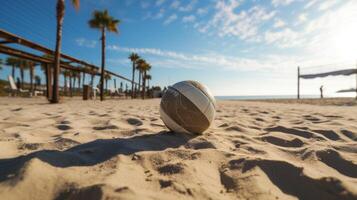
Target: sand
120,149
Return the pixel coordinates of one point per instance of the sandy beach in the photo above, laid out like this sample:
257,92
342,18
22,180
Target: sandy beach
120,149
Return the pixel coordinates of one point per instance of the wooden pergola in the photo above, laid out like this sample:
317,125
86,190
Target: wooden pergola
65,63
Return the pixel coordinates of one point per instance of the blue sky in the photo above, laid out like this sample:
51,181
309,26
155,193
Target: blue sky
235,47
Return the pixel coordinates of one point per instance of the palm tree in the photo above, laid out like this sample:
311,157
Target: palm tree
74,76
148,78
107,77
146,67
31,67
92,75
13,62
1,63
70,83
133,57
65,74
37,81
103,21
79,77
60,15
23,65
47,70
86,69
139,66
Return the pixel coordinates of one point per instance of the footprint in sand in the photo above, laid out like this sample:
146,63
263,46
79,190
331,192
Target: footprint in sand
105,127
228,182
165,183
259,119
134,121
170,169
235,128
335,160
291,131
90,192
29,146
349,134
223,125
332,135
16,109
63,143
289,176
63,127
199,143
282,142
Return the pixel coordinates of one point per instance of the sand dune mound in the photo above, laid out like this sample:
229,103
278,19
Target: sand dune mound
122,150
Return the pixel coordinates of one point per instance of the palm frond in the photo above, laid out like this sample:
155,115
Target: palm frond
75,3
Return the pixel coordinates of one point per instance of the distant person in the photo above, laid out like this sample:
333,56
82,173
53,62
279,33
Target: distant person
322,92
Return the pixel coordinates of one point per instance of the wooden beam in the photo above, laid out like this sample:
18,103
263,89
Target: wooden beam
12,37
6,42
21,54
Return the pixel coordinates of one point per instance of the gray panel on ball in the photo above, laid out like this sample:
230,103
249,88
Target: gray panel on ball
203,89
181,110
199,98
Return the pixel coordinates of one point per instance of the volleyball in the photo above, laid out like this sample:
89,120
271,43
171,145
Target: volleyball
187,107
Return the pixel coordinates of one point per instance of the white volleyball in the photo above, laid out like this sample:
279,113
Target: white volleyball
187,107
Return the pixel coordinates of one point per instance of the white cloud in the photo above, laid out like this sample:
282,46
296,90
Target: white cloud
281,2
144,4
175,4
162,58
310,4
189,7
86,43
327,4
302,18
159,2
170,19
284,39
279,23
202,11
159,14
244,24
190,18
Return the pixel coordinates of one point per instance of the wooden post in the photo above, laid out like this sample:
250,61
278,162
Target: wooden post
49,81
356,80
298,84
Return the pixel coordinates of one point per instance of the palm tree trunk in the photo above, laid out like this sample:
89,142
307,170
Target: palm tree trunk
79,81
132,81
65,84
60,14
139,87
70,86
74,84
84,78
47,85
31,77
103,67
144,84
92,80
49,81
22,77
13,71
